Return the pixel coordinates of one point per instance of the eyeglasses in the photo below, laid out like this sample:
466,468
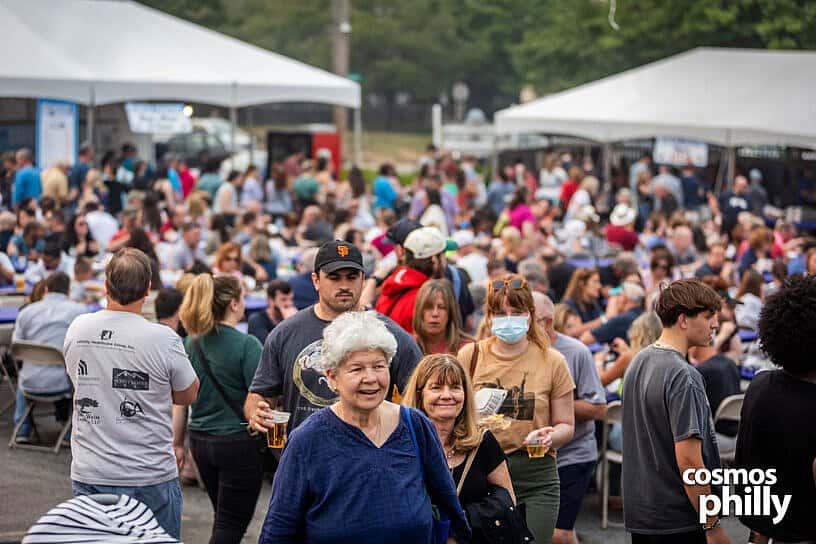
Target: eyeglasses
513,284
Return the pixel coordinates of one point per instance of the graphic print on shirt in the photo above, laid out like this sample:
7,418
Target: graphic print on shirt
518,404
86,410
309,377
130,379
83,376
129,411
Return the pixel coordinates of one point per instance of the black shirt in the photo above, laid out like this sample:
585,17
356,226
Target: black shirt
777,430
259,325
559,276
722,379
488,457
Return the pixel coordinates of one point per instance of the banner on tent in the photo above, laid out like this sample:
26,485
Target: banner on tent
57,132
679,152
145,118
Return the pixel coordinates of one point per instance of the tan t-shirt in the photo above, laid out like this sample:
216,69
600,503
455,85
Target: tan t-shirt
531,380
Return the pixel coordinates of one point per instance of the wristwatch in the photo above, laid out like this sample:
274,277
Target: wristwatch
714,525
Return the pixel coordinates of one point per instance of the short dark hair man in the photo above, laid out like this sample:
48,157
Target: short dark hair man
167,304
776,428
127,374
290,369
280,305
667,424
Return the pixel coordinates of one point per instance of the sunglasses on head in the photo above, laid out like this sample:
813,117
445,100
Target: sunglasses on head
513,284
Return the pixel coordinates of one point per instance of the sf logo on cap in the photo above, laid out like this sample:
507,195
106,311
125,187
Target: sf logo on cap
343,251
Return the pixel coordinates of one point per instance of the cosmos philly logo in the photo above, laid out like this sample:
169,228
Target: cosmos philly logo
752,494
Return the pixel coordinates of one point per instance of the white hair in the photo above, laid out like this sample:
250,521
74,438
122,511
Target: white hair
355,331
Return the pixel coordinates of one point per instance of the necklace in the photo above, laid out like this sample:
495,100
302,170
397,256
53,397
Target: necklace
377,428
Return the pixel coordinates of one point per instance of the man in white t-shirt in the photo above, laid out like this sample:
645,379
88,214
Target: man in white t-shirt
127,374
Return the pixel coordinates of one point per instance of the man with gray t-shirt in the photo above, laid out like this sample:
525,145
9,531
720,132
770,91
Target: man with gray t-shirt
127,374
667,424
576,459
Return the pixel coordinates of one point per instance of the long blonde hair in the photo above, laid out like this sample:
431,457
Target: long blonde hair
206,302
644,331
446,370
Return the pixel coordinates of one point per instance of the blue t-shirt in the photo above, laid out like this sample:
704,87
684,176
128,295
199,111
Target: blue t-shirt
26,184
333,485
384,193
617,327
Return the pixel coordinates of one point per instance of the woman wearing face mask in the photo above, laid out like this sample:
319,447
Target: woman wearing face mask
517,358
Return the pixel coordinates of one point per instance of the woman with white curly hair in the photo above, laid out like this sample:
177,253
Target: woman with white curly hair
363,469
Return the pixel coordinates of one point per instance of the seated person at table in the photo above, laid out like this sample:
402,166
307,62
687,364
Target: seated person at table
45,322
186,250
50,261
722,379
83,289
582,295
279,306
6,270
625,307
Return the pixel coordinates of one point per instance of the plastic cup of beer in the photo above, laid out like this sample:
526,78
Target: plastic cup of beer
536,448
276,433
19,282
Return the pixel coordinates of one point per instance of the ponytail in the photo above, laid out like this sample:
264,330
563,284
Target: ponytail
196,312
207,301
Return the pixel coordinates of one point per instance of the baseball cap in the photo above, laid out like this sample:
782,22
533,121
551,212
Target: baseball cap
399,231
337,255
463,237
425,242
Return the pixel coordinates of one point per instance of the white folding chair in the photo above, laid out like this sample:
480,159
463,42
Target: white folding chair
614,414
729,410
32,353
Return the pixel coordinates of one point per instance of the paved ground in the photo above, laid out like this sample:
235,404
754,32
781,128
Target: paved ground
32,482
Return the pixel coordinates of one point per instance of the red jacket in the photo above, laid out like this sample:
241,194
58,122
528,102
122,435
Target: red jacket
399,292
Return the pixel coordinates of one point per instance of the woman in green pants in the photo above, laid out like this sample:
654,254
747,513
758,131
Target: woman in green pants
514,358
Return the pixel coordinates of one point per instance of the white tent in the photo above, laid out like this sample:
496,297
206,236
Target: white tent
728,97
102,52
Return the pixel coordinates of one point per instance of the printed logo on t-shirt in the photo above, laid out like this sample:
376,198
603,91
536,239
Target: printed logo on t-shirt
82,375
129,411
130,379
518,404
86,410
309,377
106,335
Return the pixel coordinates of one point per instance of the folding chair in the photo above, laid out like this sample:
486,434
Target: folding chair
5,376
729,410
33,353
614,414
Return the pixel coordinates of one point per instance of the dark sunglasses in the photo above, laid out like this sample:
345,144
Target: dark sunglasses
513,284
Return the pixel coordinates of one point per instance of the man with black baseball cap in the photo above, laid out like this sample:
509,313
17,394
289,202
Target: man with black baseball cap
290,372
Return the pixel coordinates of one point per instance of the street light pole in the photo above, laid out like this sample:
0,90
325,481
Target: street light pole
341,28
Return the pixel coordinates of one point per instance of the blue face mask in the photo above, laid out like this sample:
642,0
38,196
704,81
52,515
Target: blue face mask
510,329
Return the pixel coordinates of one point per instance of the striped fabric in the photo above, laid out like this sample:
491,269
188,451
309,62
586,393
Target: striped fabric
82,519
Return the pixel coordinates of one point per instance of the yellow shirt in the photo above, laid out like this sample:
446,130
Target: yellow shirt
532,380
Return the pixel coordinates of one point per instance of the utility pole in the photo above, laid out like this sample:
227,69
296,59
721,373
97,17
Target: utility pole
341,29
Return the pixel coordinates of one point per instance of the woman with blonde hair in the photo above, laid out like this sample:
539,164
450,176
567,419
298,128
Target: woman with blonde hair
566,321
441,389
225,361
437,322
644,331
516,358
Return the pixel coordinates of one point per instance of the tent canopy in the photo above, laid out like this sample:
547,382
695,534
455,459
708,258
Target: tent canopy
727,97
103,51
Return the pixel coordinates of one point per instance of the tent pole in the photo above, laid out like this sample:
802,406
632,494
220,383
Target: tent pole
607,163
89,122
358,137
233,117
251,136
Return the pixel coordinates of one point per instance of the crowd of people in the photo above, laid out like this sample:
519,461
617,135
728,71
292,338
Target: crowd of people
422,340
